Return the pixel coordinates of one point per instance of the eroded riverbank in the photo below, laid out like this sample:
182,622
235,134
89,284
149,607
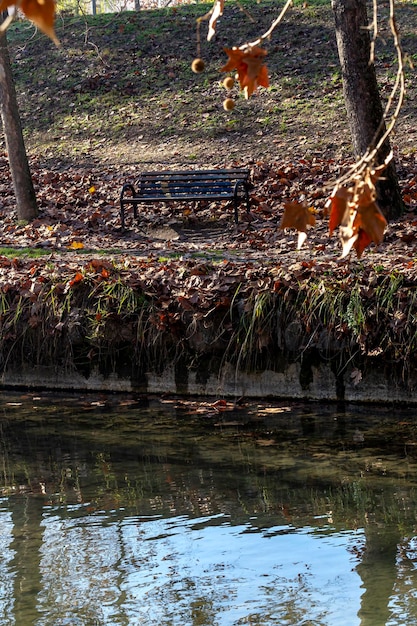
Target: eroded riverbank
311,330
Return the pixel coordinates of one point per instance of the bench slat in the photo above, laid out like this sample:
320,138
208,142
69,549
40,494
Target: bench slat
202,188
191,195
169,182
201,173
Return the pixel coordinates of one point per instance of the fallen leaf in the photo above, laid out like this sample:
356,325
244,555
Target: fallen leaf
356,376
266,442
77,279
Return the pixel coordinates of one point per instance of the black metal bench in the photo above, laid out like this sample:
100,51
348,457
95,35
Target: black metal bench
179,185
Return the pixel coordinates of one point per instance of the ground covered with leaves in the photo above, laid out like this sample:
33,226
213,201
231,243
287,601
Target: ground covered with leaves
187,283
119,96
79,213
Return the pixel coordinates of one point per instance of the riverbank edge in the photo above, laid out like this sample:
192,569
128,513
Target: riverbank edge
324,386
208,328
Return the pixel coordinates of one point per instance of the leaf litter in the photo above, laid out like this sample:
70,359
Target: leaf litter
79,212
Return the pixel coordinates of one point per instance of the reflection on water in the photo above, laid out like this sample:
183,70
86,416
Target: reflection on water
120,511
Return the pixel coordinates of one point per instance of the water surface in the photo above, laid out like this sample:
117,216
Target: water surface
123,510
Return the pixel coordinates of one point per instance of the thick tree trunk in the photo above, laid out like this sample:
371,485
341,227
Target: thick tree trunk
362,99
19,166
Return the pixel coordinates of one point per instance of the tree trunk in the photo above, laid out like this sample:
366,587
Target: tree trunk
362,99
19,166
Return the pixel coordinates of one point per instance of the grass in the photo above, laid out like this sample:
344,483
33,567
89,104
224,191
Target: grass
35,253
120,81
32,253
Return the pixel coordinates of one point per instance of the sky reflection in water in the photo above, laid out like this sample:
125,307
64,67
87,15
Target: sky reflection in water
113,570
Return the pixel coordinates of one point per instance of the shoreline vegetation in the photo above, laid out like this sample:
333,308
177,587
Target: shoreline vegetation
128,319
185,294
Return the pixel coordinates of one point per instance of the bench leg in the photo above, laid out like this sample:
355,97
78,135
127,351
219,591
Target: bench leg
125,200
122,212
122,215
236,200
236,209
247,198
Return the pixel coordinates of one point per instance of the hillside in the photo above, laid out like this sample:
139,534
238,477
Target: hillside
119,96
120,88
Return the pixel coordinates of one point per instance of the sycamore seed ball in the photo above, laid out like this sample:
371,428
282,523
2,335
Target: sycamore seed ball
229,104
228,82
198,66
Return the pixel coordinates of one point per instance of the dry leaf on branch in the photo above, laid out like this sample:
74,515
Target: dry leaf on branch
355,210
338,205
40,12
250,68
298,215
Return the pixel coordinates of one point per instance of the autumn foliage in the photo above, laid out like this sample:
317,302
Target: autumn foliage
357,214
353,204
40,12
250,67
352,209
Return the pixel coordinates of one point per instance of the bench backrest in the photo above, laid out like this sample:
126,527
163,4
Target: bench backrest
190,182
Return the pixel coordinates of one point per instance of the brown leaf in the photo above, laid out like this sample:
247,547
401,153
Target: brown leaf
362,241
338,205
41,13
362,221
250,67
372,222
297,215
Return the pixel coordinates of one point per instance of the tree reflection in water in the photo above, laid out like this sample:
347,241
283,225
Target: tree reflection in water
148,513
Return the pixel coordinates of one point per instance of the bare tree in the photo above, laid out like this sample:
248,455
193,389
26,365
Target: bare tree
362,98
19,166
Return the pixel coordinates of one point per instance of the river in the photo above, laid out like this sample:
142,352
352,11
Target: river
123,510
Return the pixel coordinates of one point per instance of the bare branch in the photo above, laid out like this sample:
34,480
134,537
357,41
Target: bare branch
374,27
246,12
8,19
268,33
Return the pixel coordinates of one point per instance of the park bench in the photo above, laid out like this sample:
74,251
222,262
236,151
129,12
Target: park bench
186,185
